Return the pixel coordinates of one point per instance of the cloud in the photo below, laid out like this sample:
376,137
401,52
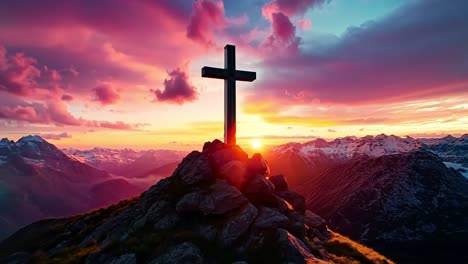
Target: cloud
117,125
283,36
67,97
56,136
18,73
52,112
331,130
177,88
304,24
207,16
365,66
105,94
290,7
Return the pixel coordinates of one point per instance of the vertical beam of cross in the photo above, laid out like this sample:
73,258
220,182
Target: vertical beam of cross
230,75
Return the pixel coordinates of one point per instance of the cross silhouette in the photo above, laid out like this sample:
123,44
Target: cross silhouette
229,74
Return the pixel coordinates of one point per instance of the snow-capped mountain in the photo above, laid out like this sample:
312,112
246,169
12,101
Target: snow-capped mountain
383,189
110,160
409,199
453,151
37,180
126,162
302,161
348,147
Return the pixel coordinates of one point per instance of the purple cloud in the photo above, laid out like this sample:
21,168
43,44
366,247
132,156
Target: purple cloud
177,89
106,95
56,136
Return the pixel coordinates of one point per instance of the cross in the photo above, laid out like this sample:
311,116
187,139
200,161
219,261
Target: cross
230,75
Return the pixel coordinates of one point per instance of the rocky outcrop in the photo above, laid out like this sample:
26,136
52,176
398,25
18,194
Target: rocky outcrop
219,206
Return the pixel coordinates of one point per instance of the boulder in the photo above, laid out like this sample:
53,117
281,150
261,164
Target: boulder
295,199
238,224
313,220
194,169
292,249
283,205
234,172
228,153
220,198
185,253
280,182
258,184
214,146
296,228
167,222
154,193
258,165
270,218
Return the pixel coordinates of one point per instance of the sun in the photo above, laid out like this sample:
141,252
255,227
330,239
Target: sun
256,144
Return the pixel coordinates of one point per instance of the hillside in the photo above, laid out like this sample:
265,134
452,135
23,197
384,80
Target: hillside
219,206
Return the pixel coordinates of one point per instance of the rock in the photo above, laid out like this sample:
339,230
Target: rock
295,199
220,198
191,203
213,146
258,184
157,211
229,153
297,229
292,249
167,222
258,165
194,169
270,218
185,253
125,259
283,205
238,224
154,193
17,258
234,172
280,182
208,232
313,220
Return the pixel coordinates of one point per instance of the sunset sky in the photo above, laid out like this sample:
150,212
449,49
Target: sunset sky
118,73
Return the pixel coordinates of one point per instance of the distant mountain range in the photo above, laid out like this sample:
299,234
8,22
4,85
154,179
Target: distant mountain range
384,189
37,180
127,162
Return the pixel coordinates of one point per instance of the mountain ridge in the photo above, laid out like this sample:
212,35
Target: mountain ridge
219,206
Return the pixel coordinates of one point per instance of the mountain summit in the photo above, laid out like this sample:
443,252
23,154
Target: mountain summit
219,206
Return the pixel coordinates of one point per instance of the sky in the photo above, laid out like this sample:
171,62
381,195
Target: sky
116,73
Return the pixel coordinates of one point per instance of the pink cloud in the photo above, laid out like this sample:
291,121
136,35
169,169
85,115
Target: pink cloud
283,36
304,24
67,97
290,7
52,112
106,95
207,16
18,73
177,88
55,75
56,136
365,66
117,125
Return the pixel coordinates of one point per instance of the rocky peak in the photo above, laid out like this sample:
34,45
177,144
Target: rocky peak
219,206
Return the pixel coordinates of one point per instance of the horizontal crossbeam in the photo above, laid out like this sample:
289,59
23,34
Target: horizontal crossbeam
218,73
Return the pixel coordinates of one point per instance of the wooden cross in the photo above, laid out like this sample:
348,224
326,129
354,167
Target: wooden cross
229,74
